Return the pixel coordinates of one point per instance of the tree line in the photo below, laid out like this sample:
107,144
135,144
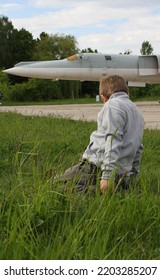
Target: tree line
19,45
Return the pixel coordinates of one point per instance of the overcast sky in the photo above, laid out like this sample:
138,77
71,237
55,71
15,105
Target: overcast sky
110,26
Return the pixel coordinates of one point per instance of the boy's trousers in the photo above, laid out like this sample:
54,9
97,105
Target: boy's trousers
87,176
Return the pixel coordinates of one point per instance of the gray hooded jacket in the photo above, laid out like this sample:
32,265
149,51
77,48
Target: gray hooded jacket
116,145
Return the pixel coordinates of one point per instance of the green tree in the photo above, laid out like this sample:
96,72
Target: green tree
44,48
4,85
22,48
146,48
126,52
15,45
89,50
22,45
6,31
56,46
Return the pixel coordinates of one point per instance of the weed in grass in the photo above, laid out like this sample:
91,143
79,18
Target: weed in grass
40,221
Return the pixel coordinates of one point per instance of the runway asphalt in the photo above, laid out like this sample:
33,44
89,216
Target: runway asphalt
150,111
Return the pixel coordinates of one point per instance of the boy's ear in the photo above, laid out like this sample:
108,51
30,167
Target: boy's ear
104,98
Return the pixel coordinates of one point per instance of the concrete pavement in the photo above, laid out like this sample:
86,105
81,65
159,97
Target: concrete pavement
149,109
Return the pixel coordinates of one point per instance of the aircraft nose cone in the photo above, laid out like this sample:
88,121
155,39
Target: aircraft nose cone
13,71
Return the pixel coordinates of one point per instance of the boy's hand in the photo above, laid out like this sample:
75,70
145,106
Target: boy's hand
104,186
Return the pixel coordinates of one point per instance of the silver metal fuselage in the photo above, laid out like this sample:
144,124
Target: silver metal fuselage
137,70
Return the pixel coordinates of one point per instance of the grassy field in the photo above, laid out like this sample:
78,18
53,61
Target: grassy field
40,221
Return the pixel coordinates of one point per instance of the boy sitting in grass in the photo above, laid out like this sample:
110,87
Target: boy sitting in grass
115,148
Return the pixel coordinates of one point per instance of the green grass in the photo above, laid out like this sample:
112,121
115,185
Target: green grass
52,102
73,101
40,221
146,98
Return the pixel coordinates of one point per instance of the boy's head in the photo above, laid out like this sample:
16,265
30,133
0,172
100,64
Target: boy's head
112,84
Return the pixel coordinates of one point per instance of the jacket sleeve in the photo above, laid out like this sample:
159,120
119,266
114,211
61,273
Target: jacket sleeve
113,122
136,160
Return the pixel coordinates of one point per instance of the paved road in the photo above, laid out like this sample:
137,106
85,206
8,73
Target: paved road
150,111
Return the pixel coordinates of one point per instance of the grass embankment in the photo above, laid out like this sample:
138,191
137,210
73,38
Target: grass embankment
38,221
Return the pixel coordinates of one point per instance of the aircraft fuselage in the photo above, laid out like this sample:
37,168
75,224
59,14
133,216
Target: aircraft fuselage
137,70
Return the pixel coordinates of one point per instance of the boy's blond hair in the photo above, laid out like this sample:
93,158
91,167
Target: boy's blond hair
112,84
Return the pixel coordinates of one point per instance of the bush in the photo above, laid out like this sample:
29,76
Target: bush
35,90
44,90
19,93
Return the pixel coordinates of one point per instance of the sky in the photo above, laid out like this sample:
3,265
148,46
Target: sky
110,26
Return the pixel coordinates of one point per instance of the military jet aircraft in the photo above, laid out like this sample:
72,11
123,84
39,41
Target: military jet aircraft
136,69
